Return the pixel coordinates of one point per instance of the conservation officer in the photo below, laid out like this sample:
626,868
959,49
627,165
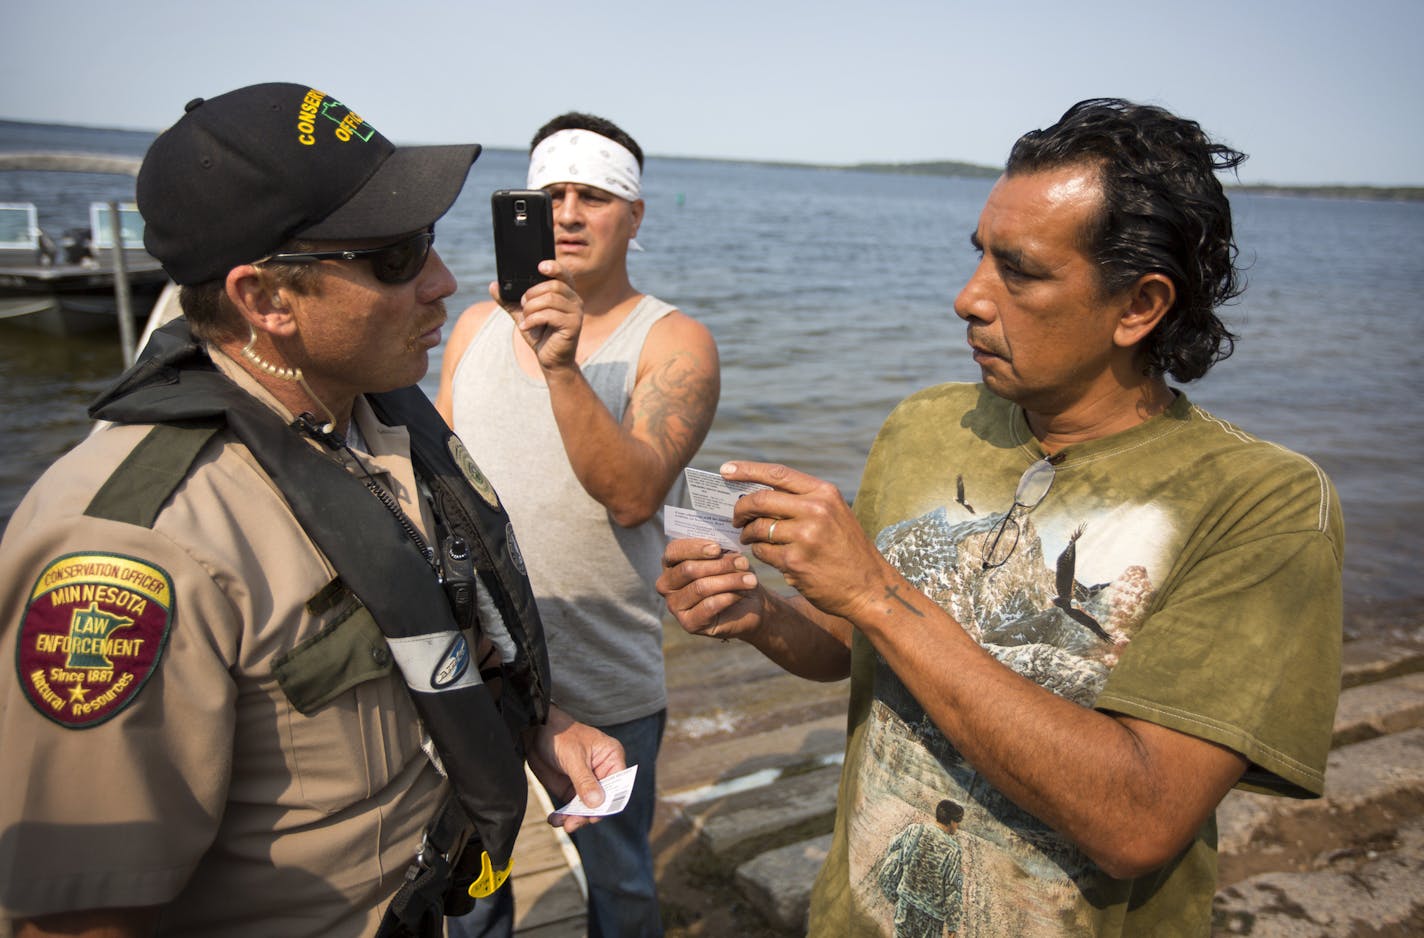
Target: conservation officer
270,628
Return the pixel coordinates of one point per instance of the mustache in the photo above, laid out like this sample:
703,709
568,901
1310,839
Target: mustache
438,317
983,343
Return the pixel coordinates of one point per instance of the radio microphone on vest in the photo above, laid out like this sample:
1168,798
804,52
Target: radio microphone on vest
307,423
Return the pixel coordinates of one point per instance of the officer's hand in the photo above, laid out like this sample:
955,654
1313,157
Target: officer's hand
569,758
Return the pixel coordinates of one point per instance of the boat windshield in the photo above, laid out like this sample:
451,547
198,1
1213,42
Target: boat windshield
19,226
130,223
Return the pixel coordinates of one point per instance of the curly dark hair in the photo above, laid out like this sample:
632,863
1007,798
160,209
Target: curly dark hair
1164,211
577,120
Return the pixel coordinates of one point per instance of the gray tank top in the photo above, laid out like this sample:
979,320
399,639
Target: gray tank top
593,580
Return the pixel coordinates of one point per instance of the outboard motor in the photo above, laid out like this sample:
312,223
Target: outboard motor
46,249
78,245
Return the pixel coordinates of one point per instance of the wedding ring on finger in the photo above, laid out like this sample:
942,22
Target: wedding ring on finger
771,533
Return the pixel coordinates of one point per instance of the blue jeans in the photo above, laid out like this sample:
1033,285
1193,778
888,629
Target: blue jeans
617,858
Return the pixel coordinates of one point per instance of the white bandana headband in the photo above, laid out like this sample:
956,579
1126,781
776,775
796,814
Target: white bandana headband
589,159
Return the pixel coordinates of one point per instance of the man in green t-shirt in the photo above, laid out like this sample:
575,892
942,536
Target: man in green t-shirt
1071,602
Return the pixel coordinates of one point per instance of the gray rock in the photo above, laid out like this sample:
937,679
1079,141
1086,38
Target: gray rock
1376,709
1367,787
778,883
1384,895
728,824
1377,659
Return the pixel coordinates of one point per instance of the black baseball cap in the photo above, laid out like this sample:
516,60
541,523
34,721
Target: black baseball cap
240,175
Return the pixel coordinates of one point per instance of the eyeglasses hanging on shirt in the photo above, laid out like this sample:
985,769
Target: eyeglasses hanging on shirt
1032,488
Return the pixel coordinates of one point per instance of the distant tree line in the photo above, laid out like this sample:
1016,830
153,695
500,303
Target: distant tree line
1377,193
935,168
976,171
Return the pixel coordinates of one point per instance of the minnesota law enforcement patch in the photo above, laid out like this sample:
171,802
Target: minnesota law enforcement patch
93,631
472,472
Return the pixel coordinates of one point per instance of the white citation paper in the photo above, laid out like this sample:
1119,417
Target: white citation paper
713,501
684,522
617,789
711,493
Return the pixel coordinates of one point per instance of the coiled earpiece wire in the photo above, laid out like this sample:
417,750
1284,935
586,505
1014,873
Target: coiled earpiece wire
250,353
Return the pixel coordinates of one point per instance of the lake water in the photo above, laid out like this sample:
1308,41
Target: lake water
829,293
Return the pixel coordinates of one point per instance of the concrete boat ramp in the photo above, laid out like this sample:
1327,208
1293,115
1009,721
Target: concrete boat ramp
748,776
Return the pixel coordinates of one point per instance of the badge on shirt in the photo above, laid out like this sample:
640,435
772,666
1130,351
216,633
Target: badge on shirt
93,631
472,472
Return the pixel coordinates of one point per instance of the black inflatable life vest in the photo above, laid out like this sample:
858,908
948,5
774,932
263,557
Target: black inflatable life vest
174,383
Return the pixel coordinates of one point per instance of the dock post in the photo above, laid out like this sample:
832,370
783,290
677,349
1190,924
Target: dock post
122,297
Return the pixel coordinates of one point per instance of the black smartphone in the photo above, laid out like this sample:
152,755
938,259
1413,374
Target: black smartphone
523,236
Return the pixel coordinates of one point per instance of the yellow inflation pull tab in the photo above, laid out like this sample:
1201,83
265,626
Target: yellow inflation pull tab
490,878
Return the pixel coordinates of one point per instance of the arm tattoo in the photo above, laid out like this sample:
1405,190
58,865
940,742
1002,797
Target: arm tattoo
670,403
893,592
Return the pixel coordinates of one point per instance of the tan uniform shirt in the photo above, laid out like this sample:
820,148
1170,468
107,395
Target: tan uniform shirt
151,757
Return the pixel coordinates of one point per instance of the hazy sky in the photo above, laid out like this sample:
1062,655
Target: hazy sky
1317,91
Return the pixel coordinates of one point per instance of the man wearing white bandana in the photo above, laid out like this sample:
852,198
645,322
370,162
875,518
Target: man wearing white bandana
583,404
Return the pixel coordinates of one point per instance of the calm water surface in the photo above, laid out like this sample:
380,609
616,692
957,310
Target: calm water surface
830,296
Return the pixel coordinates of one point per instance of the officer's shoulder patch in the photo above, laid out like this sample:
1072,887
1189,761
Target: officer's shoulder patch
472,472
93,630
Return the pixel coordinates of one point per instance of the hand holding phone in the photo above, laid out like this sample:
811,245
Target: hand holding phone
523,236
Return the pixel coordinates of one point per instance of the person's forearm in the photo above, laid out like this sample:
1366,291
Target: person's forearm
801,639
628,467
619,471
92,923
1090,776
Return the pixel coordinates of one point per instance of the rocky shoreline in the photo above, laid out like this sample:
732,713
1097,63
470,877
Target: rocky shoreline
747,782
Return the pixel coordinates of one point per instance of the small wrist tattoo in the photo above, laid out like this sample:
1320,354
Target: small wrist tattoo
893,592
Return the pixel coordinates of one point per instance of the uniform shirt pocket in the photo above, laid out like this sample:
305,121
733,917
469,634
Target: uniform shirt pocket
352,727
349,651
